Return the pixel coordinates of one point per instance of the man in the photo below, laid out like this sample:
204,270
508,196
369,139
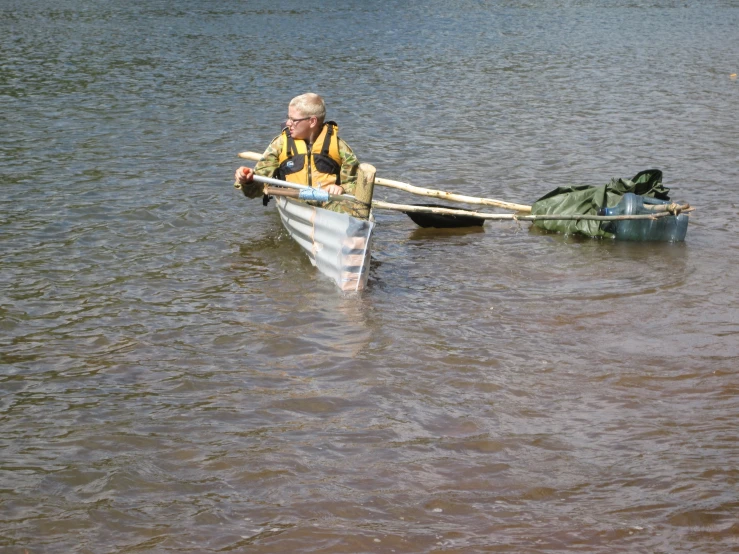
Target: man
307,152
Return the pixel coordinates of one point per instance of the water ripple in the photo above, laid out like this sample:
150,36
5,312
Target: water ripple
177,376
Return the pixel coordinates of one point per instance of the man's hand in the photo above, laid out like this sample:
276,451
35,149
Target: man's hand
245,181
244,175
333,189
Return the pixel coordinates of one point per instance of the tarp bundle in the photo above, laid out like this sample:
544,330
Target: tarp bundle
588,200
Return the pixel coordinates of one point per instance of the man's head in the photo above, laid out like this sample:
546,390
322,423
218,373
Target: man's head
305,116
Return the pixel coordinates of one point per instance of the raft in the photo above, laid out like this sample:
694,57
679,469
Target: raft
339,243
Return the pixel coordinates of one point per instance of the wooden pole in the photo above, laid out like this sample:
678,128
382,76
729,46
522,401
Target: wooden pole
428,192
378,204
253,156
452,196
364,189
280,191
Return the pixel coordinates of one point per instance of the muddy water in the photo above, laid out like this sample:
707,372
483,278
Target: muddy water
176,377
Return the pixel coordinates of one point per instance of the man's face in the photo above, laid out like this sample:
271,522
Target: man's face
300,126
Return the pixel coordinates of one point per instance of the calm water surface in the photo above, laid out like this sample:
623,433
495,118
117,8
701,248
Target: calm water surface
176,377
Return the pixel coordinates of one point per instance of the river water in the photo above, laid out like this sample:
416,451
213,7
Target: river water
176,377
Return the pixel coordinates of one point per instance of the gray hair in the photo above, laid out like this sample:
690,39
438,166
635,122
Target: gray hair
310,105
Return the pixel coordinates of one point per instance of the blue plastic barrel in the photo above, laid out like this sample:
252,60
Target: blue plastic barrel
670,228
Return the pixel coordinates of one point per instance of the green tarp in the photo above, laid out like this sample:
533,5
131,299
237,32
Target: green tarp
588,199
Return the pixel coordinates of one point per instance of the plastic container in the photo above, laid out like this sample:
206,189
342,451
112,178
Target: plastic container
667,229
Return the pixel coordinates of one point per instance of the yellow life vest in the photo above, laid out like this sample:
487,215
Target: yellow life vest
317,168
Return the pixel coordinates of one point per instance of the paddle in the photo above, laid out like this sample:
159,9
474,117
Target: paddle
298,191
429,215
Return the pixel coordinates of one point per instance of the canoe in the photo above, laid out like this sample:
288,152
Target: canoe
337,244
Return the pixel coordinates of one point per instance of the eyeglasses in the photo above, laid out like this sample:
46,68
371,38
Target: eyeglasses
291,121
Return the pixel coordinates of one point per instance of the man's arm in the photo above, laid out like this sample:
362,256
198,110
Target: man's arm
266,167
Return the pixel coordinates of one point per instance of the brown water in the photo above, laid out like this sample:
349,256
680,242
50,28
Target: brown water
176,377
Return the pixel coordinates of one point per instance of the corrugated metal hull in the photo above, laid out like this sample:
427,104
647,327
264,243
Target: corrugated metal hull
337,244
